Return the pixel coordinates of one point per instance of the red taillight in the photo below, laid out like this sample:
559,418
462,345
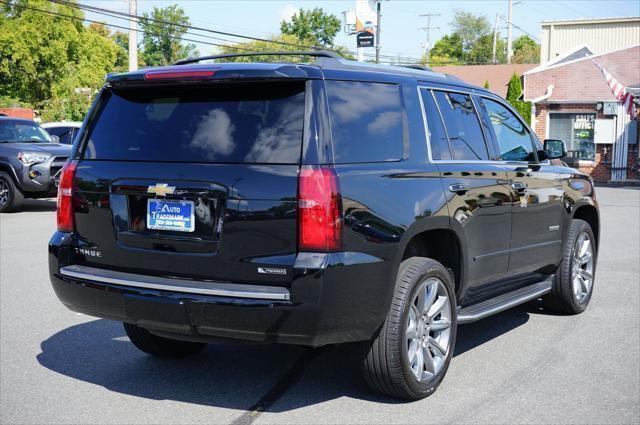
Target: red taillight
65,197
319,210
168,74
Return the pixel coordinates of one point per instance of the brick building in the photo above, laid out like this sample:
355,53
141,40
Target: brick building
571,100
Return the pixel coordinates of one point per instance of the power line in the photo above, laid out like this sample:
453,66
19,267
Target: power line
115,15
118,26
526,32
138,18
142,18
125,16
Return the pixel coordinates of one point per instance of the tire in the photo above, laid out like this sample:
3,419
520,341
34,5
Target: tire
10,196
387,367
572,288
159,346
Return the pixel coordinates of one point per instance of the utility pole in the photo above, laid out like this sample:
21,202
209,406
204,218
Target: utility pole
428,29
133,39
495,39
378,30
509,49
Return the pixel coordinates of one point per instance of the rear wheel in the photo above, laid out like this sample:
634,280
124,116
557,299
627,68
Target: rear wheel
159,346
411,354
573,282
10,197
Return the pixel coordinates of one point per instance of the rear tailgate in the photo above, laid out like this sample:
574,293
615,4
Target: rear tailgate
193,182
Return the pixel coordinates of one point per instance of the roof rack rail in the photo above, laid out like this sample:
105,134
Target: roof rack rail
317,54
420,67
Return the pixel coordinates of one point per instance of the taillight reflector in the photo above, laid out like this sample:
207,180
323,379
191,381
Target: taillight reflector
65,197
319,210
172,74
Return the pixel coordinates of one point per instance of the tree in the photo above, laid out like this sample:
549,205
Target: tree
482,50
447,49
61,75
470,41
163,29
122,59
314,25
525,50
290,45
470,28
263,46
96,56
486,84
71,107
514,94
30,67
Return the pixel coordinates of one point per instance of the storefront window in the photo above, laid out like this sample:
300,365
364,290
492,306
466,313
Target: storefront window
577,132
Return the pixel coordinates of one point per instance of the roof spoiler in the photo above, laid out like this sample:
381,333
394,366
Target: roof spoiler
315,54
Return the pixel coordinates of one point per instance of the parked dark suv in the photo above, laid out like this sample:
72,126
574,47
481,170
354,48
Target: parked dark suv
316,204
30,160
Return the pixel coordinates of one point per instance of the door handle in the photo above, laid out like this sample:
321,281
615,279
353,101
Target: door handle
459,188
519,186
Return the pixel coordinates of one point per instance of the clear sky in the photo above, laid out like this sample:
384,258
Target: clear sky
400,22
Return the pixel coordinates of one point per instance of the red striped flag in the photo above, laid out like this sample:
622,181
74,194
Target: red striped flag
619,90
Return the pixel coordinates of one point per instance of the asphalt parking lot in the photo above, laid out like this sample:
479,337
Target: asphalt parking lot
521,366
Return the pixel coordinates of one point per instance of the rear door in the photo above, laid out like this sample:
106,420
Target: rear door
197,181
537,214
479,198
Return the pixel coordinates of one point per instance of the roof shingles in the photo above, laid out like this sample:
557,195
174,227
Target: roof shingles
498,76
582,80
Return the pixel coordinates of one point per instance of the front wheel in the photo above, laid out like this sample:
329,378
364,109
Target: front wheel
573,282
410,356
159,346
10,196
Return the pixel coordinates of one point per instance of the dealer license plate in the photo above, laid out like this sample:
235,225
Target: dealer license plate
171,215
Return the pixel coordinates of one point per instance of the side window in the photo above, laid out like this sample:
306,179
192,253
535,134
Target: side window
366,121
514,140
64,133
437,136
463,127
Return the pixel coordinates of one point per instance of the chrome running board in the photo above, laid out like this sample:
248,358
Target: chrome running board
222,289
503,302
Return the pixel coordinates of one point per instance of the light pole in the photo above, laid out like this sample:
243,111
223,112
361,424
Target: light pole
133,39
509,40
509,49
378,30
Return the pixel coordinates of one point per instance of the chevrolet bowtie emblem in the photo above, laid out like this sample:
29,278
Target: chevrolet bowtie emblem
161,189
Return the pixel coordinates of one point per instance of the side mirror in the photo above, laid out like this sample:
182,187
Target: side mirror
55,138
555,149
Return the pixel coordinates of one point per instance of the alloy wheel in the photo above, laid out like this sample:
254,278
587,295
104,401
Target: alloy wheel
428,329
582,267
5,192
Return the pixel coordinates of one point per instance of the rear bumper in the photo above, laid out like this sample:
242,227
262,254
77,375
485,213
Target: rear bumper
334,298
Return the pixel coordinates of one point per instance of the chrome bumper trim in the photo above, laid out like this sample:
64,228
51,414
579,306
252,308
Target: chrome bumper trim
221,289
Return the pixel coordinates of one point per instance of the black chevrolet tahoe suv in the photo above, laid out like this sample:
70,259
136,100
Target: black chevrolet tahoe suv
316,203
30,160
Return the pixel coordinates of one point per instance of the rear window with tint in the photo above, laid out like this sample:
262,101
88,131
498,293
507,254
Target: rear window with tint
366,121
236,124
